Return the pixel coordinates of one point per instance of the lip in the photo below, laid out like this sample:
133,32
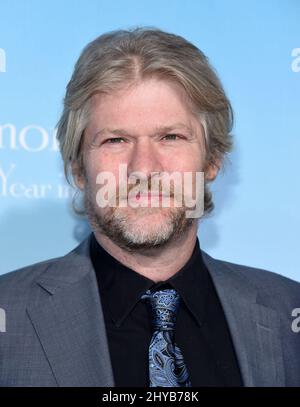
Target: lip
148,196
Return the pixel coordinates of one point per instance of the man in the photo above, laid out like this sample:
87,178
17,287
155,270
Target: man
139,303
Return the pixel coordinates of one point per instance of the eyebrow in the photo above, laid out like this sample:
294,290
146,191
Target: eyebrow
157,130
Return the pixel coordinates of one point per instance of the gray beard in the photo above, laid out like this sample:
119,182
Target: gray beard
115,225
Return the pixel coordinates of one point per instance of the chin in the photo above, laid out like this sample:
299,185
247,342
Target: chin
141,214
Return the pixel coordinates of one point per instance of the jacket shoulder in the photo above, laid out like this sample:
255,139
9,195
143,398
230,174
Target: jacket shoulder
17,282
264,280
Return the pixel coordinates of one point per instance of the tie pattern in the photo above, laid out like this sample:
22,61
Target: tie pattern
166,365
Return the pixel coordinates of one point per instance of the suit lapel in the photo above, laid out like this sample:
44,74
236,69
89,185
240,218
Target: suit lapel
66,313
255,328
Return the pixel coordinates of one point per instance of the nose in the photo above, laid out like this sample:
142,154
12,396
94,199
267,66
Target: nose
145,158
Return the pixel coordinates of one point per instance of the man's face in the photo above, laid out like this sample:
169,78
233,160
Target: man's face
150,129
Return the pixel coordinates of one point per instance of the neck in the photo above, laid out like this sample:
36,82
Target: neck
157,264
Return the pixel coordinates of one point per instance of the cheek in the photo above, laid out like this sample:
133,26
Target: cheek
96,163
190,162
102,172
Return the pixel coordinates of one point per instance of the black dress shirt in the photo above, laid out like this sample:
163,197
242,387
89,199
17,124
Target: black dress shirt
201,330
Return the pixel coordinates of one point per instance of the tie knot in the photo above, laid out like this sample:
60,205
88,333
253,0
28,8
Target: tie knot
164,304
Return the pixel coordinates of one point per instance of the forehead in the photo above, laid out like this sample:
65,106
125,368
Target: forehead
151,98
147,108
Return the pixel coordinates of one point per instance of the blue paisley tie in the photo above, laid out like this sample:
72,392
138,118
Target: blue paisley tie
166,364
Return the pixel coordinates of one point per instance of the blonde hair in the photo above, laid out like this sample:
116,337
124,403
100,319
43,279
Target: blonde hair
120,58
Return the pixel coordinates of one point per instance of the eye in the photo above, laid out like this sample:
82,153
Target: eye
172,136
113,140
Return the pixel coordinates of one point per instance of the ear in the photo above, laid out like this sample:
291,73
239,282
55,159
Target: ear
78,175
211,170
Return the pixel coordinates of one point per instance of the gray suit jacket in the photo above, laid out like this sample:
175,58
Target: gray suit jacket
55,332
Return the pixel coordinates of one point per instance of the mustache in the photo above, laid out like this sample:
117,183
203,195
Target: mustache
144,187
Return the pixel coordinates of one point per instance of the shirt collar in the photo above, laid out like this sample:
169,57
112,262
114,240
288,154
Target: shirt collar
121,287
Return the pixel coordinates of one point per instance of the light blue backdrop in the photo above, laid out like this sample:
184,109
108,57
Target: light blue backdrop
255,48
